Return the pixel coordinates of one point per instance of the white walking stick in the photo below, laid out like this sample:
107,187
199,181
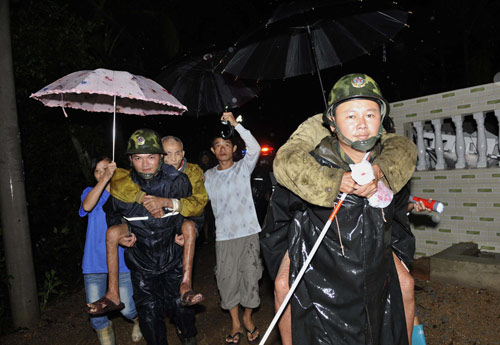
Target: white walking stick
303,269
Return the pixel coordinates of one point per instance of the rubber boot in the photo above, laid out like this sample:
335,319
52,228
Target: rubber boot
106,335
418,336
136,331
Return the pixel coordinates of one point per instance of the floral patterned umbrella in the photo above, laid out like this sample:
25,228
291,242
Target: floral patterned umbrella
104,90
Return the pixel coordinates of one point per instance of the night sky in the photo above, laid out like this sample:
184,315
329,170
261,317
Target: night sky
448,45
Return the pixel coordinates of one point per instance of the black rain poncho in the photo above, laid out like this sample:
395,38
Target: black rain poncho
155,250
343,299
155,261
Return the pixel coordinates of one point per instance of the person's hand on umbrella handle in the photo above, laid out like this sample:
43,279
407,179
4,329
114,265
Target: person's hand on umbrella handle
109,171
229,117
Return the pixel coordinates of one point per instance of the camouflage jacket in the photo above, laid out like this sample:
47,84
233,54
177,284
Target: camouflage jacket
296,169
194,205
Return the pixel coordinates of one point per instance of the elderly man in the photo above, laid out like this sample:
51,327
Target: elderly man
191,208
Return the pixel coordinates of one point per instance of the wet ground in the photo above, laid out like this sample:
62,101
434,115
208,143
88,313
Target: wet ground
451,314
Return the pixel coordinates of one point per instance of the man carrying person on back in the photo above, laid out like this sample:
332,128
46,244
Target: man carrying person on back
191,207
356,108
155,260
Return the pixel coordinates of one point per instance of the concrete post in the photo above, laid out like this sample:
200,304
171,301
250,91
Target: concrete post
459,142
421,165
497,114
481,145
438,144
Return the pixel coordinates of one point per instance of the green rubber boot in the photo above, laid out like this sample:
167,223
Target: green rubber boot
106,335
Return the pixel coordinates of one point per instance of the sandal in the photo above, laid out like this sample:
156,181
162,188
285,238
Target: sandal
103,306
190,298
230,339
256,340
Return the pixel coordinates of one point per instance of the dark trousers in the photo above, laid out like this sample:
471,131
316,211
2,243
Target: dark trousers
157,295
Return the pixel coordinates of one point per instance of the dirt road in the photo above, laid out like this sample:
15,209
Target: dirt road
452,315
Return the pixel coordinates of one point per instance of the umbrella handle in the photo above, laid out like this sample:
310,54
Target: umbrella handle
114,126
303,269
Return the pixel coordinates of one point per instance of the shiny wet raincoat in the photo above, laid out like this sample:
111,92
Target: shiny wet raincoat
349,298
155,261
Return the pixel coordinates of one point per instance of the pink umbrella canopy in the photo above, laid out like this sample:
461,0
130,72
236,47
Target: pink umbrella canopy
104,90
96,91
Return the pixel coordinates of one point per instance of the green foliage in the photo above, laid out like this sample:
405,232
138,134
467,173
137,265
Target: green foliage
50,285
61,251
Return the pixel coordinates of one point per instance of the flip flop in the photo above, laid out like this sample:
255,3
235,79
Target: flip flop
103,306
190,298
231,338
256,340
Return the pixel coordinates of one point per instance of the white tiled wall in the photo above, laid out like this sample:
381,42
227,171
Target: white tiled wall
472,209
471,196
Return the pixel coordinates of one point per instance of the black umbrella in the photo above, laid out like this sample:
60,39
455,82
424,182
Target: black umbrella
304,37
196,82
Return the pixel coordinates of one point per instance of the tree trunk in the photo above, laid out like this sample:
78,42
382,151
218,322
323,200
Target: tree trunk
16,234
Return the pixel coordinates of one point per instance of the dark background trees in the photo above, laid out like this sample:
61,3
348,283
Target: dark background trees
449,45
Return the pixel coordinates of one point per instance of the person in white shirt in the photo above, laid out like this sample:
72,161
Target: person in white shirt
237,247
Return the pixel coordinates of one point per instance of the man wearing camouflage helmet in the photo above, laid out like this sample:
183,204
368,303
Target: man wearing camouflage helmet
353,299
191,208
155,261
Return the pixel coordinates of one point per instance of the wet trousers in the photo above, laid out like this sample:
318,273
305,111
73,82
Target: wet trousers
155,296
95,287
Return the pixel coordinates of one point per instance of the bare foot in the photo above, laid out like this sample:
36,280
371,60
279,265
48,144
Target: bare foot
113,297
191,297
250,329
233,338
103,306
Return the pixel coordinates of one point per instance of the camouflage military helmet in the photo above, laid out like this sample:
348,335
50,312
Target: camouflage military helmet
357,85
144,141
350,87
